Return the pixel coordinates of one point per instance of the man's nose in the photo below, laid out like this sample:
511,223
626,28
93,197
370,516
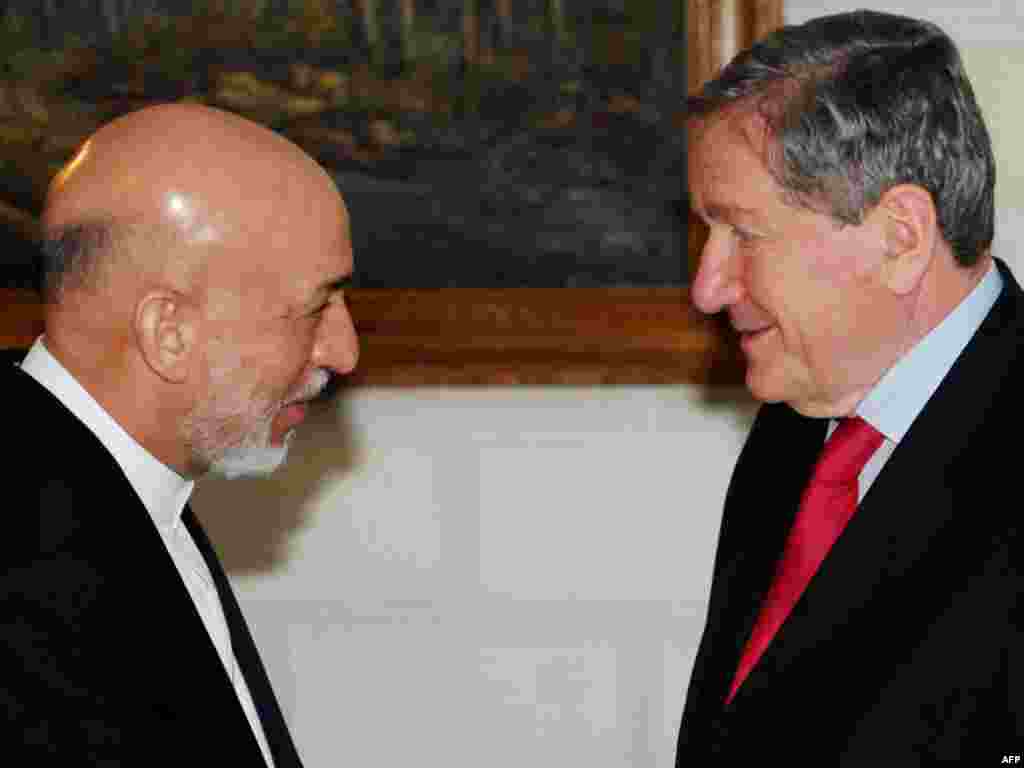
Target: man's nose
717,284
337,346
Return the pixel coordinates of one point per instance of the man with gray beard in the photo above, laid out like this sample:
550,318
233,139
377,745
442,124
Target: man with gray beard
193,267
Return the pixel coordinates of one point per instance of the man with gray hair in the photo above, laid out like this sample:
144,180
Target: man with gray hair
865,604
193,266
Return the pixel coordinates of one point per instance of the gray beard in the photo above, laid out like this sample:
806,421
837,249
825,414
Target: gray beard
254,457
251,460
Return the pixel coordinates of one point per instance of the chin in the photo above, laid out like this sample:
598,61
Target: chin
252,459
249,453
760,389
768,388
250,462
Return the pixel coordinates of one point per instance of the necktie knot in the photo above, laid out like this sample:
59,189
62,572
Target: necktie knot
846,452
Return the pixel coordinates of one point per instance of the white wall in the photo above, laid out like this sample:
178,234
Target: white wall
516,577
501,577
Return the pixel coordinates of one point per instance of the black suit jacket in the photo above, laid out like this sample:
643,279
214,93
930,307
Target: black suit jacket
906,648
104,659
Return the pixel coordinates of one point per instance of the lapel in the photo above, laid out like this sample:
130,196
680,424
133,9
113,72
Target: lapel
135,617
886,568
168,627
760,505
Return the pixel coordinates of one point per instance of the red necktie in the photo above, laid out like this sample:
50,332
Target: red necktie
827,505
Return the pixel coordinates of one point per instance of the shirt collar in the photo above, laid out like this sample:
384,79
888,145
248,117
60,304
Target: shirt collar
162,490
901,394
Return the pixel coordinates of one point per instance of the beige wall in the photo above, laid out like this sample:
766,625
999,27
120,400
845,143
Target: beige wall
995,70
516,577
500,577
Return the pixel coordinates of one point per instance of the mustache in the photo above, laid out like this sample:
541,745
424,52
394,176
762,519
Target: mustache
317,389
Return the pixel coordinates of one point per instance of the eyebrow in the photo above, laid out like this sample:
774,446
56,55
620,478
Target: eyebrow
327,287
334,284
722,211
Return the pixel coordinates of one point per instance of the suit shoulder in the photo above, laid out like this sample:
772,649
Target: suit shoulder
61,473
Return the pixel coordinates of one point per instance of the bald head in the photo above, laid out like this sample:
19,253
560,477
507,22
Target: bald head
183,240
190,173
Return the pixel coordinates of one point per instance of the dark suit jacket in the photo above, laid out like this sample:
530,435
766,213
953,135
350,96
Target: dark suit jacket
907,646
104,660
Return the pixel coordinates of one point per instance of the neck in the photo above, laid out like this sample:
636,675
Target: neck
939,294
121,388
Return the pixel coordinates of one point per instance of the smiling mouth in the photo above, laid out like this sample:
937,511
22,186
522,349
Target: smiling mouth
749,338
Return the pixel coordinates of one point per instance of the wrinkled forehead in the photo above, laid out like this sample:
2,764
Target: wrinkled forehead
741,124
726,149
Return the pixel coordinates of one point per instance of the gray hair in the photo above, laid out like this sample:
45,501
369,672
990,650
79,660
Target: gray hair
71,256
857,103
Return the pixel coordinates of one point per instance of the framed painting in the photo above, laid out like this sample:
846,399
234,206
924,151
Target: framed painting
557,259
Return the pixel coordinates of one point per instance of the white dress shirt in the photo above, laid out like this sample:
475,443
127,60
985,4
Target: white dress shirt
901,394
164,494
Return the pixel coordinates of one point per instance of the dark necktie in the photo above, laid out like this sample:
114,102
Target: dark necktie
827,505
274,726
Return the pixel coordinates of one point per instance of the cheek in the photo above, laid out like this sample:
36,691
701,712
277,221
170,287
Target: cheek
274,365
798,287
816,283
784,282
813,286
839,257
294,358
842,334
824,264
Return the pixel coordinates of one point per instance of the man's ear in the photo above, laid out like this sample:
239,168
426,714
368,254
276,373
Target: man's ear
166,329
909,224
